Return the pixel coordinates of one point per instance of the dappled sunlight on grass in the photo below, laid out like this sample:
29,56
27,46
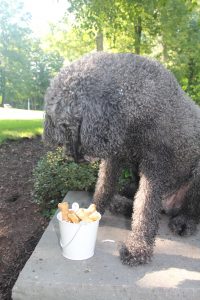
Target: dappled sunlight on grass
15,129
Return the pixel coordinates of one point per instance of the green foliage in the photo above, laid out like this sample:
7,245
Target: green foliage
14,41
54,176
168,30
15,129
43,66
126,178
69,41
25,69
121,22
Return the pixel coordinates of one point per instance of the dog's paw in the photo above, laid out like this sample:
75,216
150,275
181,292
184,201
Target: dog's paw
135,256
182,225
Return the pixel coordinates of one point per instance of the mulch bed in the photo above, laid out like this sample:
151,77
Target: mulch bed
21,221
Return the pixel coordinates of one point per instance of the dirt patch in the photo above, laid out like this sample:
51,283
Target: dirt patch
21,222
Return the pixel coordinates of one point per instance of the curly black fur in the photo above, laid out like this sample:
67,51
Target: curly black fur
124,108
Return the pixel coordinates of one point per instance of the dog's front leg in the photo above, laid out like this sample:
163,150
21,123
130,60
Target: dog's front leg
106,183
138,249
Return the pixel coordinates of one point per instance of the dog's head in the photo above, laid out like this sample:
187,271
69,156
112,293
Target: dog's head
62,124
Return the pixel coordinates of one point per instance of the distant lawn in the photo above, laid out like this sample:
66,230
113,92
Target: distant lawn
15,129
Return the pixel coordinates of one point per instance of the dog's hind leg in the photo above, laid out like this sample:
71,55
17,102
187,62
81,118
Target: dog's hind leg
185,222
121,205
106,184
138,248
173,203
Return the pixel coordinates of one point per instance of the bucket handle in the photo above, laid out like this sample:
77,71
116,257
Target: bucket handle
66,245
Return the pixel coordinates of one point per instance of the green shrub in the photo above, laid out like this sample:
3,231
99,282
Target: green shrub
54,176
126,178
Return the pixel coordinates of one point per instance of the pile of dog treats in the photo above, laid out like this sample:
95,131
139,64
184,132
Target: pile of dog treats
89,214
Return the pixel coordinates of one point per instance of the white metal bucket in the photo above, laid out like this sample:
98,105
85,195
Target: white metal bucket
77,240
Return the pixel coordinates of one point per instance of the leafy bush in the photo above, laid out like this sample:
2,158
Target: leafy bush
126,178
54,176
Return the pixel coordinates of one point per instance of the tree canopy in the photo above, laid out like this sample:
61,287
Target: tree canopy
25,69
168,30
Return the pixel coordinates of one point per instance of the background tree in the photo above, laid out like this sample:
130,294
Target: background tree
43,66
168,30
165,29
25,69
14,41
98,17
131,18
178,30
69,40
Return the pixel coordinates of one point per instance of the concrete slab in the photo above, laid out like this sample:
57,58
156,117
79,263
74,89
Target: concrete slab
174,272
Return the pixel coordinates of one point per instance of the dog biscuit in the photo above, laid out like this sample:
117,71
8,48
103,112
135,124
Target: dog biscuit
90,209
95,216
73,218
64,207
87,215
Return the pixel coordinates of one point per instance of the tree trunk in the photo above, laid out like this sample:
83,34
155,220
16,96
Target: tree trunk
138,33
191,71
99,41
3,87
165,55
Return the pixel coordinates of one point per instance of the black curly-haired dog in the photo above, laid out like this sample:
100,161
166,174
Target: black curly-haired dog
124,108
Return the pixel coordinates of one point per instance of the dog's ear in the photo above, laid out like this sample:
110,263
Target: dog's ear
49,129
76,143
53,133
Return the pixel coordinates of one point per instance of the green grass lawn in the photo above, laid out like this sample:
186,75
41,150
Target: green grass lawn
15,129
